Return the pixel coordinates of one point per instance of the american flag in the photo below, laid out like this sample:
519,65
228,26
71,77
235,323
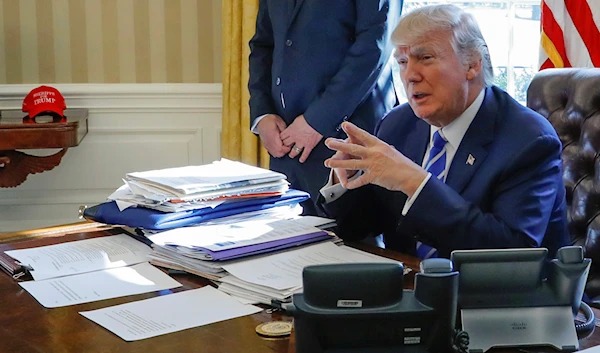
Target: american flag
570,33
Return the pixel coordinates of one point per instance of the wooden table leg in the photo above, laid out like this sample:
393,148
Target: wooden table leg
15,166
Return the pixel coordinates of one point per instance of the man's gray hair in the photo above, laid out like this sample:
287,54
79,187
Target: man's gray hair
468,42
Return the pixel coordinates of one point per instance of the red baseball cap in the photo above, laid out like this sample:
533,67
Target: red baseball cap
44,99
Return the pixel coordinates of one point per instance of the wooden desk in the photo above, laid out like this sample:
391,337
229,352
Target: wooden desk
18,133
26,326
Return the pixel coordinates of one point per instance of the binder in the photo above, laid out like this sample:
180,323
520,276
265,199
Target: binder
150,219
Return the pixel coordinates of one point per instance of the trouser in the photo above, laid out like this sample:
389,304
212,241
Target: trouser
309,176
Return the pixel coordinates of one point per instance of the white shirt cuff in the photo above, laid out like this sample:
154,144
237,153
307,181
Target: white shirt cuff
410,200
333,192
256,121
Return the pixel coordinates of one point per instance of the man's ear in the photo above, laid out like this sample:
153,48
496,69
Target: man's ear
474,70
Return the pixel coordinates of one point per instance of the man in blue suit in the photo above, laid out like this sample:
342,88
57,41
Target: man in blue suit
461,166
313,65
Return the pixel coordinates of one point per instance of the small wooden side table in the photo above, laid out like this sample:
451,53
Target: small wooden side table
18,132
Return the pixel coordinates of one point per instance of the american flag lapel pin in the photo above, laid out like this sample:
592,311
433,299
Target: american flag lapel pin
470,159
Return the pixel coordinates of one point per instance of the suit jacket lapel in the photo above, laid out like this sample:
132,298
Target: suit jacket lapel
295,10
472,150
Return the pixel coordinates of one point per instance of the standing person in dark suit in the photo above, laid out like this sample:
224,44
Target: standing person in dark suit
461,166
313,65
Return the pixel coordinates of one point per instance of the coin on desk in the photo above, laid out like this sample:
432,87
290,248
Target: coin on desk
274,328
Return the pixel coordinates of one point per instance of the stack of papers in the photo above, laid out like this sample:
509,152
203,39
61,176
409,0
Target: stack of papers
204,250
190,181
278,276
230,240
187,196
90,270
193,187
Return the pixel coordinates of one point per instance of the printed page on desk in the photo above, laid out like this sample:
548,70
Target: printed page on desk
82,256
90,270
169,313
284,270
99,285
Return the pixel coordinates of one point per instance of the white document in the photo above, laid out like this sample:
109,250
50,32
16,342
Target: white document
99,285
82,256
284,270
319,222
169,313
125,197
220,237
193,179
257,289
591,350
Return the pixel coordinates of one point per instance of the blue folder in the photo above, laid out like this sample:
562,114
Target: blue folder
145,218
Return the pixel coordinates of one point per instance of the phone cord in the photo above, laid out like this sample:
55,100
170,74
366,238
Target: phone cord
460,342
590,318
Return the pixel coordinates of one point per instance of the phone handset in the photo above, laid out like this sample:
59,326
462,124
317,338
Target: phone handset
568,276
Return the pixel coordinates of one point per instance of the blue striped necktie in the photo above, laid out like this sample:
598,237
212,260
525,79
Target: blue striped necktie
436,165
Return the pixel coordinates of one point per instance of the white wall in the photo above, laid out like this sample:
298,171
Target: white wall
131,128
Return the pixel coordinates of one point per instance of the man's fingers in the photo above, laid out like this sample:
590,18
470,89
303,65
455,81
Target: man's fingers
281,125
358,135
284,150
276,151
341,175
356,183
348,148
287,141
294,151
305,153
350,164
274,146
285,133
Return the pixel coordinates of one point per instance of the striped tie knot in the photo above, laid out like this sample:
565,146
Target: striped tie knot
436,164
438,140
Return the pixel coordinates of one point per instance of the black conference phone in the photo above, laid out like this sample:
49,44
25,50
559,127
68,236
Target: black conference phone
364,308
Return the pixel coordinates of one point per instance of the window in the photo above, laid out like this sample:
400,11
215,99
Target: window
511,29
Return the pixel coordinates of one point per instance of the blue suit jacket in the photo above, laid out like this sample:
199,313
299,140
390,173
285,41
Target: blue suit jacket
326,59
511,196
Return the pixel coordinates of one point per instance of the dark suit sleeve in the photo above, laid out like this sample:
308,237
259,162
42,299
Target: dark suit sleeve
363,212
360,68
523,201
260,61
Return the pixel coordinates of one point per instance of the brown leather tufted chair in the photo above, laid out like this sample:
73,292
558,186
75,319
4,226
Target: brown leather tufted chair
570,100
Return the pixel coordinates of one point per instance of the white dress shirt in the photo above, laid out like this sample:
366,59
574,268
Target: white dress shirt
254,127
453,133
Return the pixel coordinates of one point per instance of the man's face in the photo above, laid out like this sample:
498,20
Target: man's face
434,78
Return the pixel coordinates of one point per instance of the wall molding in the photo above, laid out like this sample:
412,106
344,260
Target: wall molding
125,97
131,127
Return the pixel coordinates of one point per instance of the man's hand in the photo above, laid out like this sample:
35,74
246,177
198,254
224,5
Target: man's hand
269,129
341,175
381,163
301,138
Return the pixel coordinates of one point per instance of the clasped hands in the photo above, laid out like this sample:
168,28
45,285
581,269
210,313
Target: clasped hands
298,139
381,164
